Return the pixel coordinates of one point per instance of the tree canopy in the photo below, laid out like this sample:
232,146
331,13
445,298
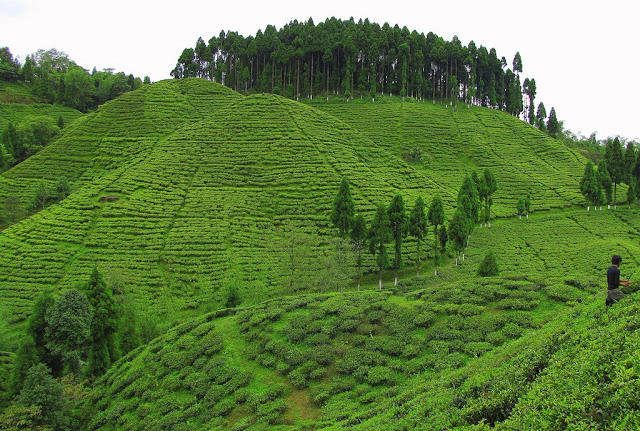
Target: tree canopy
346,57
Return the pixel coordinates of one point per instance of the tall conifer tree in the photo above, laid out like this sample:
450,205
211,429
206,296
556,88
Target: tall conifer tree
343,212
379,235
399,222
418,228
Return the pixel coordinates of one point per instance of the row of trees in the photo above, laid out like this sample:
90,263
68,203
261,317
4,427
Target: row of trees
617,166
55,78
344,57
393,224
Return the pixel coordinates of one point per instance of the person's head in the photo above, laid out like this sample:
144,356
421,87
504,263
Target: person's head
616,260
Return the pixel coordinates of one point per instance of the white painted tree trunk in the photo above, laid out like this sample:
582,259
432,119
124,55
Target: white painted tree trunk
520,217
395,282
527,216
587,207
380,286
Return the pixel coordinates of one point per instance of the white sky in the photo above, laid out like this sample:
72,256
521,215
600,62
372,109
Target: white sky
584,55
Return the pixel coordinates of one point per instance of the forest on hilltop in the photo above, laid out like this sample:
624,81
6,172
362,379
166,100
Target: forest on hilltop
344,57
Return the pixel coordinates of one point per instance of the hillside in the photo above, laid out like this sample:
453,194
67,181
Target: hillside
181,186
492,352
452,142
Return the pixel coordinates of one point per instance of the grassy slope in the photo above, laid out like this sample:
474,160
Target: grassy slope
458,354
453,143
204,177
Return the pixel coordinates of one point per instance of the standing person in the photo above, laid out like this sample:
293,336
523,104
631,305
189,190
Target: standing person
614,294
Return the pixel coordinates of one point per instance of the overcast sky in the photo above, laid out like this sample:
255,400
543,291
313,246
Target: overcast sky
584,55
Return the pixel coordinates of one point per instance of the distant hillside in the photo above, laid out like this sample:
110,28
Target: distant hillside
184,186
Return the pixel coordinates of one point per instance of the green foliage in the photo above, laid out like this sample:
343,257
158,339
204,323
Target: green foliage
26,357
343,214
68,329
399,224
418,227
489,266
40,390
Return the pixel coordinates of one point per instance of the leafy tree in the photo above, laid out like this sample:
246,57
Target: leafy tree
458,232
13,209
26,357
358,240
32,134
62,188
418,227
9,68
68,330
104,324
521,207
553,126
489,266
399,223
60,122
615,164
379,235
42,391
343,212
527,205
9,140
41,196
337,263
295,244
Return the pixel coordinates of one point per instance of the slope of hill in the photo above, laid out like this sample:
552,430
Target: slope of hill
494,352
182,185
451,143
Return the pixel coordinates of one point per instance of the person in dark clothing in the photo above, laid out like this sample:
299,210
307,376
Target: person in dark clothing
614,294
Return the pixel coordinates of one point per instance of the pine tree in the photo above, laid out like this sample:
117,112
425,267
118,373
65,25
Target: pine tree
541,115
631,194
615,165
553,126
436,218
492,187
379,235
103,324
342,215
629,163
399,223
605,180
589,185
358,239
418,228
458,232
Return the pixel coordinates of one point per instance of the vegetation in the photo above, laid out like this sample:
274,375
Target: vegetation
194,254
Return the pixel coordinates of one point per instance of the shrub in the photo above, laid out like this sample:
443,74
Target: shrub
489,266
380,375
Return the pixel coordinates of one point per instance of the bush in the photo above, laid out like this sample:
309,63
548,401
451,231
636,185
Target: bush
489,266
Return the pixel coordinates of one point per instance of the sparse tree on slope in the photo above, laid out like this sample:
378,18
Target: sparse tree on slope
615,165
492,187
521,207
629,162
418,228
553,126
458,232
541,115
343,212
399,223
379,235
436,218
358,239
589,185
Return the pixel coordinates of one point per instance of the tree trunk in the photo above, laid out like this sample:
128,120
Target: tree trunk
615,193
418,262
380,279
